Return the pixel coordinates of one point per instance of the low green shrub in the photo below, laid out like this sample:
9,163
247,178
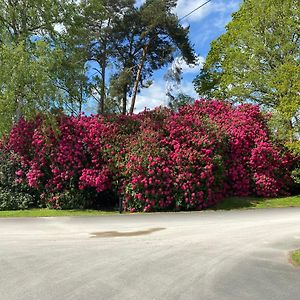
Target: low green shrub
14,194
294,147
13,200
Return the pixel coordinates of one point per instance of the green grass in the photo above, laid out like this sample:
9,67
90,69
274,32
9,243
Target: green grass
295,257
44,212
252,202
226,204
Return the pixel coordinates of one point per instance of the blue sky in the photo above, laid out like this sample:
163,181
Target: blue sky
206,24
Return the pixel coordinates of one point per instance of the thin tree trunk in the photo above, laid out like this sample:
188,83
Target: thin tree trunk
103,65
138,78
81,100
18,113
124,100
292,138
102,91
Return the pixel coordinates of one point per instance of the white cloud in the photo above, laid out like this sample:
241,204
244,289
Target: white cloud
139,2
59,27
155,95
187,87
184,7
179,62
152,97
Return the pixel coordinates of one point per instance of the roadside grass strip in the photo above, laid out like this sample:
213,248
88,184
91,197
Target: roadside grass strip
295,257
44,212
252,202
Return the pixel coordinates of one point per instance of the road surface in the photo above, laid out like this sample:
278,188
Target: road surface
201,255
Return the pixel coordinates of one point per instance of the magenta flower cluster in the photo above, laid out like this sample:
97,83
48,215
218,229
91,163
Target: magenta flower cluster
156,160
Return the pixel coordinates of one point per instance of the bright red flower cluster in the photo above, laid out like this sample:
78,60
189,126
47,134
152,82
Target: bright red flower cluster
255,165
155,160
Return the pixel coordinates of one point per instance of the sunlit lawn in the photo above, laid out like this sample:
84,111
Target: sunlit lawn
252,202
44,212
226,204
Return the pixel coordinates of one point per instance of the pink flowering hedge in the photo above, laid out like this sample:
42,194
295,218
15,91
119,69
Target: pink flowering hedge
156,160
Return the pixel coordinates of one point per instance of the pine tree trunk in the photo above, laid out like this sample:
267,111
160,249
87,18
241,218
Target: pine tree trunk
81,100
103,65
138,78
103,94
124,100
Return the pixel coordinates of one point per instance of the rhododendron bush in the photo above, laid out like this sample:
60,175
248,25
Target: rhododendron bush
156,160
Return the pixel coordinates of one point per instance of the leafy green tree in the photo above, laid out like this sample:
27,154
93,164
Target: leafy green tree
258,60
57,55
162,35
99,18
127,34
25,85
142,40
121,84
70,76
22,19
180,100
26,58
70,70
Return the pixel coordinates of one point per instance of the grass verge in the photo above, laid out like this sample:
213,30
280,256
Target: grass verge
295,257
252,202
44,212
226,204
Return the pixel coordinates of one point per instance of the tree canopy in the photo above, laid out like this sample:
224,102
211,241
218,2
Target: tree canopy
258,59
27,58
62,54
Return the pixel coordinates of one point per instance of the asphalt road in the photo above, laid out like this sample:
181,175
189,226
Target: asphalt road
203,255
